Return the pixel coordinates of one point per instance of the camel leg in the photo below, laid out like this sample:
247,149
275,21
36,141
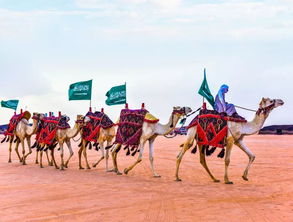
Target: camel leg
204,164
50,163
151,157
103,154
37,157
250,155
227,160
107,159
85,156
186,147
79,156
10,150
139,159
41,158
53,159
23,152
114,158
61,155
28,139
70,152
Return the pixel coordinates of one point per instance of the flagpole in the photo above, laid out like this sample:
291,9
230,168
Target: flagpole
125,94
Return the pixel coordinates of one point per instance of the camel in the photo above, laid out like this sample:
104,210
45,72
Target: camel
150,131
104,136
24,131
236,132
63,136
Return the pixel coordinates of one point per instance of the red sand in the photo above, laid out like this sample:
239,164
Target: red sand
28,193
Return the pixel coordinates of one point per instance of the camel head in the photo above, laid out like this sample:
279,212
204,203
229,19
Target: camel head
181,111
65,118
267,105
38,116
79,120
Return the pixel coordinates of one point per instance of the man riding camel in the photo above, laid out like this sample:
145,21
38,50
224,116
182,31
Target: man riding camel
222,106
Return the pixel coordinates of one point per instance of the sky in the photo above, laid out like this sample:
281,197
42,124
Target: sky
158,47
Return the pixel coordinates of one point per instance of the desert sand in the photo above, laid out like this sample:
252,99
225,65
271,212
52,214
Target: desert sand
29,193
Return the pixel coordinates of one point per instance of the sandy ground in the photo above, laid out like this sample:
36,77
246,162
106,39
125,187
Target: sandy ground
28,193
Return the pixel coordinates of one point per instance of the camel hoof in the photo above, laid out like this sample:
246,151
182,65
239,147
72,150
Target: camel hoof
94,165
9,161
229,182
157,176
20,160
81,168
126,171
66,166
178,179
119,173
109,171
88,168
36,162
24,163
244,178
62,169
41,167
217,181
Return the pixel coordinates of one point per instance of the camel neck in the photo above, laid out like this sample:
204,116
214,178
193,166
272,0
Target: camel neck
163,129
32,129
256,124
73,132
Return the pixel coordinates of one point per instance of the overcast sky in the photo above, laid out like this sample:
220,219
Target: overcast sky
159,47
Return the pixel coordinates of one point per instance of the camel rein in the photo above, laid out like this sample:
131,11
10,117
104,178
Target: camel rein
252,110
183,122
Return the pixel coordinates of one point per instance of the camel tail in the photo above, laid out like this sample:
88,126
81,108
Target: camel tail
2,141
222,153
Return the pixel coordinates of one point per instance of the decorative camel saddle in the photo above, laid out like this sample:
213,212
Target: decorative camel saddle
130,128
212,128
15,120
47,129
98,120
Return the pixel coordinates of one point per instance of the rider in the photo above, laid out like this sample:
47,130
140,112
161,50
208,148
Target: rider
222,106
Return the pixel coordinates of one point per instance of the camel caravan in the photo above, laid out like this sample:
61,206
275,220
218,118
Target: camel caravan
208,131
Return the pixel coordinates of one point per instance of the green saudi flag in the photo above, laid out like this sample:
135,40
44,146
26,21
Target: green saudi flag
80,90
205,90
116,95
10,104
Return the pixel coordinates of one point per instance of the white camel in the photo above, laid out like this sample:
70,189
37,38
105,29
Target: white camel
150,131
236,132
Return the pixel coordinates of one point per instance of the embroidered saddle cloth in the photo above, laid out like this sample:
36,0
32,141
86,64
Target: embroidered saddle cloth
98,120
14,121
47,129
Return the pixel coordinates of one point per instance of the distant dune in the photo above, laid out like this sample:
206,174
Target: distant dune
277,130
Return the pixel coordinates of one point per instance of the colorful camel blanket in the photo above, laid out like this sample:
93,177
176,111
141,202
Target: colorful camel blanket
130,128
15,119
98,120
212,128
47,129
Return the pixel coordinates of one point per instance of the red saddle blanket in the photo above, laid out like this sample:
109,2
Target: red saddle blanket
212,128
98,120
130,128
14,121
48,128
